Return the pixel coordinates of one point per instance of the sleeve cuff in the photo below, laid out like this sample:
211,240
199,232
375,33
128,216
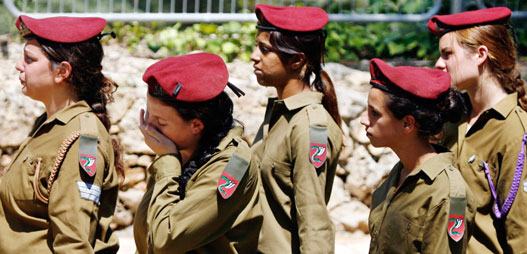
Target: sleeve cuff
166,165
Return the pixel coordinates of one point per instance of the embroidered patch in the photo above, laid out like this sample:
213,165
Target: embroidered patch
317,154
456,227
88,163
89,191
226,185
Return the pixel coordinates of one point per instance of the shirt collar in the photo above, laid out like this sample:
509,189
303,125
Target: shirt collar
237,131
505,106
302,99
66,114
433,166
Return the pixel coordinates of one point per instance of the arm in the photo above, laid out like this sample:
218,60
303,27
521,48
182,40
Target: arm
435,235
178,226
71,217
315,228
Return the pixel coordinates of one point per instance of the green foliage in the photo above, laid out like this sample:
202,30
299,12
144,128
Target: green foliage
229,40
352,42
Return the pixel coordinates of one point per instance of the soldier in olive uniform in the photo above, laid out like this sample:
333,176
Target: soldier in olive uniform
201,196
59,193
478,52
424,206
297,147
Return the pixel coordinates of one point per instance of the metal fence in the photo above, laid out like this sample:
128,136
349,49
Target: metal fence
242,10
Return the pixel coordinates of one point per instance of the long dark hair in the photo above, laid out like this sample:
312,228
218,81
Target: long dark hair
216,115
87,80
430,115
312,44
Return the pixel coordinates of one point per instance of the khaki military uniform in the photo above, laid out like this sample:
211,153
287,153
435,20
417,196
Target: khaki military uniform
202,222
294,192
415,217
495,138
80,208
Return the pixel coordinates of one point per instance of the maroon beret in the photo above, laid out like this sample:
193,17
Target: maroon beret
295,19
424,83
61,29
192,78
441,24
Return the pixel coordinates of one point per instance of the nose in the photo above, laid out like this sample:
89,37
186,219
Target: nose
364,119
255,55
18,65
440,64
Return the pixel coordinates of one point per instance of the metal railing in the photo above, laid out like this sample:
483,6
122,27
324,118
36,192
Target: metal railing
223,10
519,8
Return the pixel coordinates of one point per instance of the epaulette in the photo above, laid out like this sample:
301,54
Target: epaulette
318,134
458,203
235,170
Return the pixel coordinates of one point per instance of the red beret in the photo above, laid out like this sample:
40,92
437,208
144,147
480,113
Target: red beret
61,29
295,19
441,24
422,82
192,78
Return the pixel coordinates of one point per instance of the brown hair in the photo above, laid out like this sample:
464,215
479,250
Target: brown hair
501,61
87,80
312,44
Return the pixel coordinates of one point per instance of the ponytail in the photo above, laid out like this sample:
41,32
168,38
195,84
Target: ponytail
323,84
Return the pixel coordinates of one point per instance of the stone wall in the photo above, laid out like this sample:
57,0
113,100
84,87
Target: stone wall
361,166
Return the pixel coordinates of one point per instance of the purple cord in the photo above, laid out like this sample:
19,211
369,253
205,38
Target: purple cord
515,183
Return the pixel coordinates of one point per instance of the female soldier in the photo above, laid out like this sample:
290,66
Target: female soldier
478,52
297,146
59,193
202,195
424,206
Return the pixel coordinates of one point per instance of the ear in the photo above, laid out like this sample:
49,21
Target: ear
297,61
482,54
409,124
62,72
196,126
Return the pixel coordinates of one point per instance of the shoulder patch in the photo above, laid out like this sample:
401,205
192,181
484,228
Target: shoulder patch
458,203
318,134
88,144
232,175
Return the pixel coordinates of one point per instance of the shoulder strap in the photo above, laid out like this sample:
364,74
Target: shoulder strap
318,134
456,215
235,170
88,143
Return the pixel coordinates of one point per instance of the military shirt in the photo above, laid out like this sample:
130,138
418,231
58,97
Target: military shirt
202,222
414,218
71,222
295,193
495,138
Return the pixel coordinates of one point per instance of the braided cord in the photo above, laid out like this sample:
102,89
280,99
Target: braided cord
66,144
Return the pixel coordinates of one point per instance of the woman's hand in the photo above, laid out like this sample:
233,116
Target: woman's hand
154,139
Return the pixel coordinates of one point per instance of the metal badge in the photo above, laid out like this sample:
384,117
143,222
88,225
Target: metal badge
472,158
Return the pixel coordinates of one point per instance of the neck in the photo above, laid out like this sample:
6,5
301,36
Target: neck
413,153
291,87
60,97
487,93
53,106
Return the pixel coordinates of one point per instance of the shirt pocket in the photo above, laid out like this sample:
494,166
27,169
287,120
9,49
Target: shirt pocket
407,232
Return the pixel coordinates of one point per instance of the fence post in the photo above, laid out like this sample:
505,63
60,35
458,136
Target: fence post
456,6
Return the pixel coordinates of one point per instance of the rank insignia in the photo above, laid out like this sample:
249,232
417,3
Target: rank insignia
456,227
226,185
317,154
